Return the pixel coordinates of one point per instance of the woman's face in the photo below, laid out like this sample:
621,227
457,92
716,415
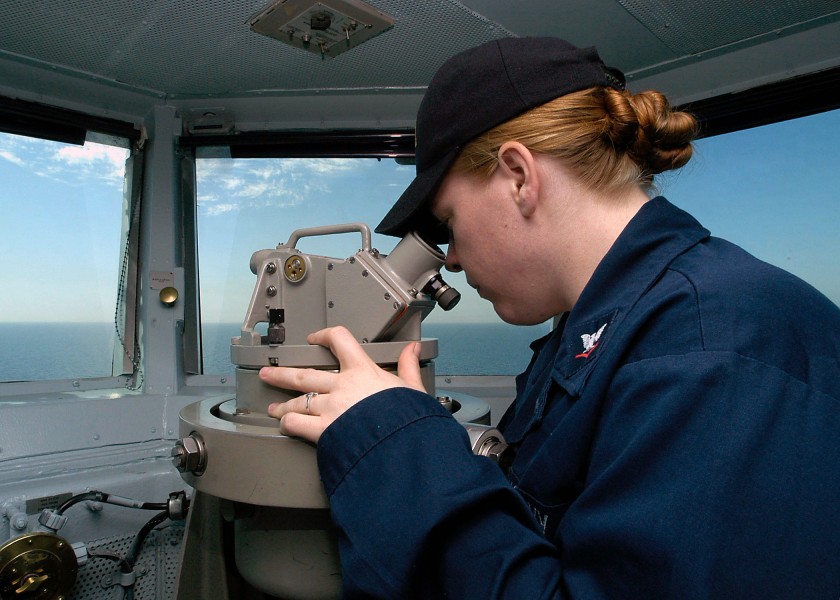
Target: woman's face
488,242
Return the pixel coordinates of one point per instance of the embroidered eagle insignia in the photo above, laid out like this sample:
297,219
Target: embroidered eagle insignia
590,342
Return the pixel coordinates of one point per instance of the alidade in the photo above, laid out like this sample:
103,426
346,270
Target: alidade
380,298
232,452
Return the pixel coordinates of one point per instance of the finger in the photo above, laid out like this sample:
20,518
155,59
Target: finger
302,426
342,344
408,366
297,404
302,380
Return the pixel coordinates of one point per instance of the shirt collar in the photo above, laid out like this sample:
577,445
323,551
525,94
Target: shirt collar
655,236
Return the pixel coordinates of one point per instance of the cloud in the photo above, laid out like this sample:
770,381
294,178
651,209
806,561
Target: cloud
323,166
14,147
92,153
255,183
220,209
12,158
67,163
93,160
252,190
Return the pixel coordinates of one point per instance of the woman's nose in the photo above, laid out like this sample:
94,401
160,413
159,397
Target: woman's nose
452,264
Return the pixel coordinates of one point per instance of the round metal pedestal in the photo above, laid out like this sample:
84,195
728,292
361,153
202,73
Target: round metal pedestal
284,544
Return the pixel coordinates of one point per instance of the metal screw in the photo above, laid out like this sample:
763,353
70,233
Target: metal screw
330,304
271,267
387,296
271,290
189,454
497,452
364,273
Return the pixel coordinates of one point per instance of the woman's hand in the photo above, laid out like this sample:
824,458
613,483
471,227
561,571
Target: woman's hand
358,378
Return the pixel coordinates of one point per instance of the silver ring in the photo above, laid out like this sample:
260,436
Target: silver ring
309,396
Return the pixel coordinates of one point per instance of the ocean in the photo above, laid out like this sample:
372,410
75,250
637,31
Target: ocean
39,351
43,351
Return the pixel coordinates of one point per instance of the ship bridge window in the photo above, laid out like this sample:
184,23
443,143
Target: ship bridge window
770,189
773,190
248,204
62,234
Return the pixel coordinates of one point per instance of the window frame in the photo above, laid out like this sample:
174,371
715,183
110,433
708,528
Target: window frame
34,120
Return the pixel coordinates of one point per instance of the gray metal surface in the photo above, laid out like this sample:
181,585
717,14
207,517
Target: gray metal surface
320,357
158,565
252,464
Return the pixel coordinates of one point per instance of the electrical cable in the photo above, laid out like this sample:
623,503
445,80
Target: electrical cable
109,556
175,508
134,552
98,496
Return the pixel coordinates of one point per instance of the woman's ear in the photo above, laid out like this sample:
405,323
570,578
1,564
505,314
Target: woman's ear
518,166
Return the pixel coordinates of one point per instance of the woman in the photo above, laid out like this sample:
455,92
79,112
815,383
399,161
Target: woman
675,436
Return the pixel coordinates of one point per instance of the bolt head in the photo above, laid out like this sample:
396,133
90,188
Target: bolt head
188,455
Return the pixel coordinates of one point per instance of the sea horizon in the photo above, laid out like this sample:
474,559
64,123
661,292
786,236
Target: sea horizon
47,351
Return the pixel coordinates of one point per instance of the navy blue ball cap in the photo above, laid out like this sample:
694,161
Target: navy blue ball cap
475,91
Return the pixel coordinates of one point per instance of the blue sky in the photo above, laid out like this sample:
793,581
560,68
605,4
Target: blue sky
772,190
60,221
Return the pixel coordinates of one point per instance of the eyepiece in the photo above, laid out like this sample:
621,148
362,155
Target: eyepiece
446,297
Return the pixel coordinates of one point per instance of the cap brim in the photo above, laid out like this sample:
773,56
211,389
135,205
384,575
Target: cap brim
411,212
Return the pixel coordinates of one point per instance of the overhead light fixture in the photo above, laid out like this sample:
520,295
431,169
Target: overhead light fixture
327,28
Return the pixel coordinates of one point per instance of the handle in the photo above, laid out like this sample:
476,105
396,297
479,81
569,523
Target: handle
329,230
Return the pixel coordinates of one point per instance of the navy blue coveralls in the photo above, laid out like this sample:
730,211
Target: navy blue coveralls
677,436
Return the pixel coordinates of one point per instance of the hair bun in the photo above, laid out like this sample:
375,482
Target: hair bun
664,137
645,126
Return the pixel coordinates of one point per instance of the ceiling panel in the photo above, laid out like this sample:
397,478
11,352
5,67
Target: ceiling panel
206,48
122,57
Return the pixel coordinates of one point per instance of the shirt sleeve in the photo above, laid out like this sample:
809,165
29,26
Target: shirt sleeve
418,515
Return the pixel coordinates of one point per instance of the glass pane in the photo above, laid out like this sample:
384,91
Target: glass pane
246,205
62,209
772,190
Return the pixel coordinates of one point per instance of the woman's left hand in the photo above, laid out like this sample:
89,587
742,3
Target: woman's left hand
358,378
